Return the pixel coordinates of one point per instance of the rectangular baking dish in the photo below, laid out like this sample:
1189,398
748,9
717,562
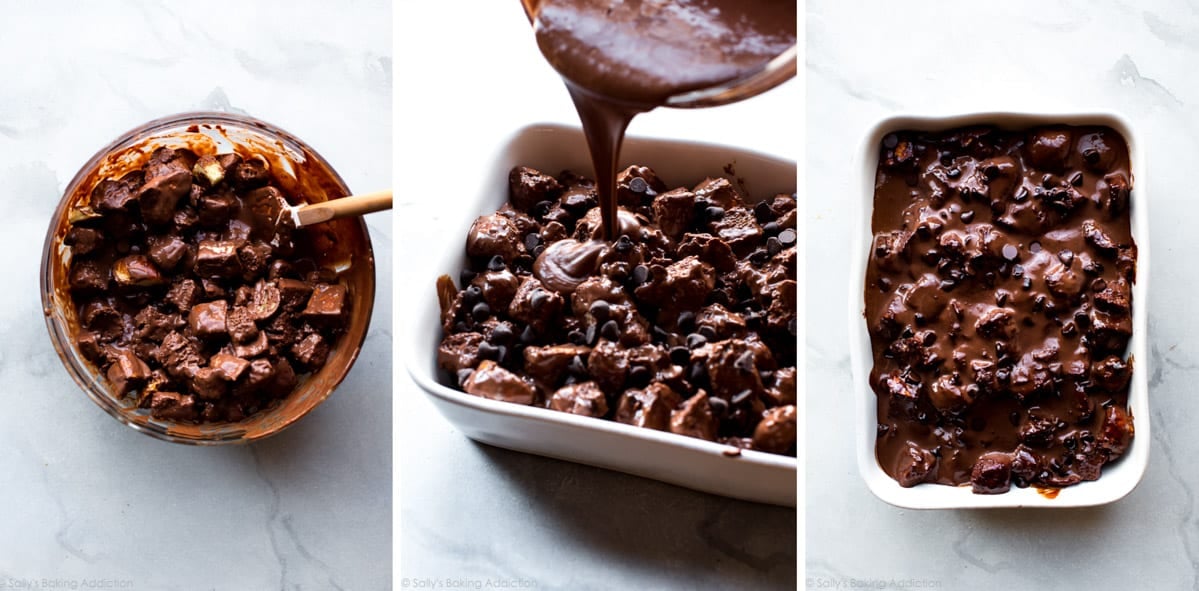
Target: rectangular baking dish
1117,479
684,461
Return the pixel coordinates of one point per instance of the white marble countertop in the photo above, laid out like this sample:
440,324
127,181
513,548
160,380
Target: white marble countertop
85,498
471,513
870,60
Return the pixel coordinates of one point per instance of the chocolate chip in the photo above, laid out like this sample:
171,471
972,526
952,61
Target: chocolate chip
488,351
532,241
624,243
640,274
680,355
720,407
770,228
890,141
528,336
610,330
600,310
686,321
471,295
1066,256
741,397
714,213
480,312
541,208
695,341
707,332
639,376
590,335
745,362
466,276
463,374
1021,194
638,185
787,237
496,263
538,299
501,334
773,246
577,367
967,216
762,212
1076,179
576,337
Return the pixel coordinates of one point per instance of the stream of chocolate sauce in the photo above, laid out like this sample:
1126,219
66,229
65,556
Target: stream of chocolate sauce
619,59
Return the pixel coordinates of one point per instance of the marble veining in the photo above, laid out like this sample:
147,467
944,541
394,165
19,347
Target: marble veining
866,63
85,498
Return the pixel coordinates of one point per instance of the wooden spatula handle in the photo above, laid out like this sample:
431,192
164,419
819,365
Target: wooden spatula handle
354,205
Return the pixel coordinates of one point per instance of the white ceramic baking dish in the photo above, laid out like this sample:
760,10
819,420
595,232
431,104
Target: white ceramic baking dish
680,460
1118,479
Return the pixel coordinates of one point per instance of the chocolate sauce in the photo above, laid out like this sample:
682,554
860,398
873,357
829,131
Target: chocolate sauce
998,297
619,60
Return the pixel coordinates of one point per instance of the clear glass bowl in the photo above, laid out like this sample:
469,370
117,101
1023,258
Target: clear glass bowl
342,244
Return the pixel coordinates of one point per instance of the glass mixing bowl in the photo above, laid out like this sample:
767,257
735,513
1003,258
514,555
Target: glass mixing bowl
304,175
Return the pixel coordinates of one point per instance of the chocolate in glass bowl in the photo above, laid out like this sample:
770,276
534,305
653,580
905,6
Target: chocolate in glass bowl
302,174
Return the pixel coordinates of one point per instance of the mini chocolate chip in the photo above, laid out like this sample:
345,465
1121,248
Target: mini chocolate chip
610,330
686,320
528,336
1017,271
697,372
590,335
538,298
466,276
1098,284
714,213
719,406
787,237
471,295
759,256
624,243
695,341
967,216
930,337
600,310
1014,418
741,397
576,366
947,285
659,334
480,312
1090,155
1066,256
541,208
538,250
1021,194
954,172
773,246
707,332
771,228
496,263
762,212
680,355
1027,285
463,375
639,376
890,141
1076,179
640,274
1001,298
576,337
488,351
532,241
461,326
501,334
638,185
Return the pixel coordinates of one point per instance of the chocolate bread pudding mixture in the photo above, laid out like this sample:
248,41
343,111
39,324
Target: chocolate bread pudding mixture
193,293
999,301
686,323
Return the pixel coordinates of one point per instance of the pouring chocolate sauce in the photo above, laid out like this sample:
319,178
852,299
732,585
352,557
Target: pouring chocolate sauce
619,59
